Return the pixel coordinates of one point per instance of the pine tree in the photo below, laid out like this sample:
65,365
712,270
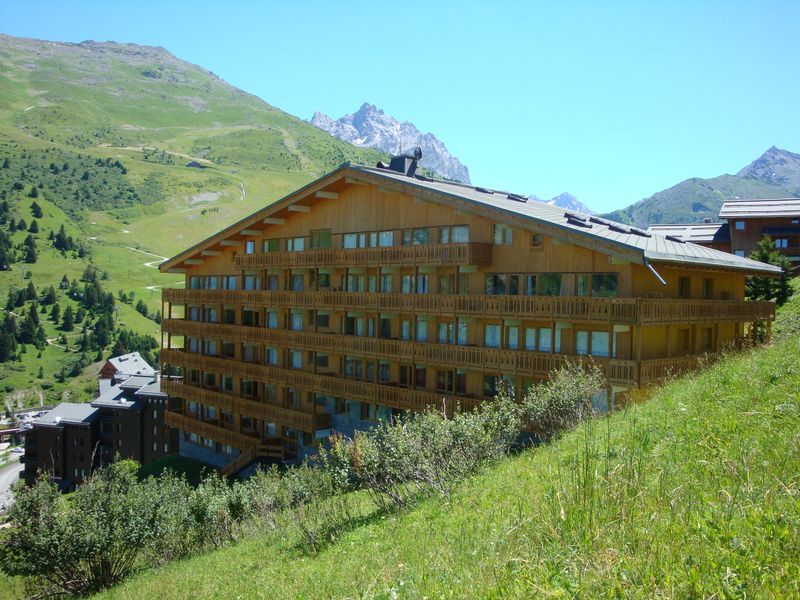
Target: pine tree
769,288
36,210
49,296
34,228
55,313
68,319
34,193
30,291
30,249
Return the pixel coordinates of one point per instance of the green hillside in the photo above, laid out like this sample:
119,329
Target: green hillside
693,493
776,174
102,136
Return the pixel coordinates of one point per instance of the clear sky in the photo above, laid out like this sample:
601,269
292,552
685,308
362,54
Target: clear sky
612,101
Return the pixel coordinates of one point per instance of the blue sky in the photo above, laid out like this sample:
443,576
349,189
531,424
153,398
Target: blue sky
611,101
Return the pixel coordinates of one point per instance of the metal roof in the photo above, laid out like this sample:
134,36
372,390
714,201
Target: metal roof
781,207
131,364
613,238
68,412
695,232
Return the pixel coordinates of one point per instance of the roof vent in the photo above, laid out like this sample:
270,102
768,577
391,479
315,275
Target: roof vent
484,190
599,221
575,216
406,163
517,197
618,228
640,232
673,238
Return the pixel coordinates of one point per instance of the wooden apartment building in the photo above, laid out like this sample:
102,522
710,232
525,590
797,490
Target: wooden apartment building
744,224
375,290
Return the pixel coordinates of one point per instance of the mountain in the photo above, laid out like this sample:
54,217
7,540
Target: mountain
566,201
138,154
370,127
775,174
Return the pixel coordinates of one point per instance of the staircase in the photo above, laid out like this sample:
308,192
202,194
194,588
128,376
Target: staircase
271,448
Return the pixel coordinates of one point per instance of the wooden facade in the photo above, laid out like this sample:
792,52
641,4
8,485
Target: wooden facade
358,296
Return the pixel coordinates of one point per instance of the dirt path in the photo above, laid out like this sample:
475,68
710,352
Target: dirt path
153,264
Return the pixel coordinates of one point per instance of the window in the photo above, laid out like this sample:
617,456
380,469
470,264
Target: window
350,240
489,386
795,221
495,284
296,244
252,282
530,285
530,338
739,252
444,381
550,284
229,282
738,225
298,282
685,287
384,371
385,239
248,353
249,388
781,243
582,285
545,339
271,355
422,284
297,321
422,331
415,237
462,335
272,319
321,238
599,343
512,338
226,383
502,234
420,376
369,411
386,284
385,327
604,285
296,359
458,234
708,288
492,336
323,320
272,245
405,330
210,347
537,241
446,333
340,406
706,338
249,247
582,342
194,313
408,284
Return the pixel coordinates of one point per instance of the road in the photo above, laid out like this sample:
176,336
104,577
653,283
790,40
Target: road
8,476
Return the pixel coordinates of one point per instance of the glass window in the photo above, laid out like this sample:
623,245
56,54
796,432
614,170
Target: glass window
273,245
604,285
349,240
512,335
600,343
550,284
530,285
489,386
495,284
582,342
463,332
386,284
405,330
296,359
545,339
249,247
298,283
229,282
739,252
297,321
530,338
782,243
296,244
408,284
459,234
582,282
321,238
422,284
502,234
422,331
513,285
252,282
323,321
385,239
444,235
271,355
739,225
415,236
322,360
492,336
447,333
272,319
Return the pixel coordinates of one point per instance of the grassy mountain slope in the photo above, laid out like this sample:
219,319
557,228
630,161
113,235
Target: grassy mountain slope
126,120
693,493
776,174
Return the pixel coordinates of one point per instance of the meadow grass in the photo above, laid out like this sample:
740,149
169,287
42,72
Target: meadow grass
693,493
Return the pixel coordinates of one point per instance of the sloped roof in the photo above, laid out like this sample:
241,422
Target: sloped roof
695,232
131,364
606,236
782,207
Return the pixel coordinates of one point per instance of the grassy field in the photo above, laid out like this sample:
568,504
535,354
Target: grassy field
693,493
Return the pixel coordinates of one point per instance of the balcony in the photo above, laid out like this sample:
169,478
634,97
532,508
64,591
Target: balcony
426,254
294,419
635,311
223,436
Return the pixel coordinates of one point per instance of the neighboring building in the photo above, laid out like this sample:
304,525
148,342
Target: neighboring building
126,419
746,223
126,365
372,291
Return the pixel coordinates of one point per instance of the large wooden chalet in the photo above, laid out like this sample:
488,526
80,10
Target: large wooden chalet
374,290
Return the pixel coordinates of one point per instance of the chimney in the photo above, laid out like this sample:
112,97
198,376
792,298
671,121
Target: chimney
404,163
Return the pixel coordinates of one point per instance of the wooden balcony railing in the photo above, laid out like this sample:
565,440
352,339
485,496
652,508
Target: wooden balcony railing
294,419
470,253
517,362
223,436
641,311
658,370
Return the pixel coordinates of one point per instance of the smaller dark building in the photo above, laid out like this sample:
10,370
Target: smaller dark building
125,420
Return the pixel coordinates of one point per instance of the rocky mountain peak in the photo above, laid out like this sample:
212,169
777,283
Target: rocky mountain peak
566,201
370,127
774,167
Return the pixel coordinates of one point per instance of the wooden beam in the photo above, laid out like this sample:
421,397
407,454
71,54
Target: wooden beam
177,270
251,232
354,181
274,221
211,253
327,195
193,261
299,208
